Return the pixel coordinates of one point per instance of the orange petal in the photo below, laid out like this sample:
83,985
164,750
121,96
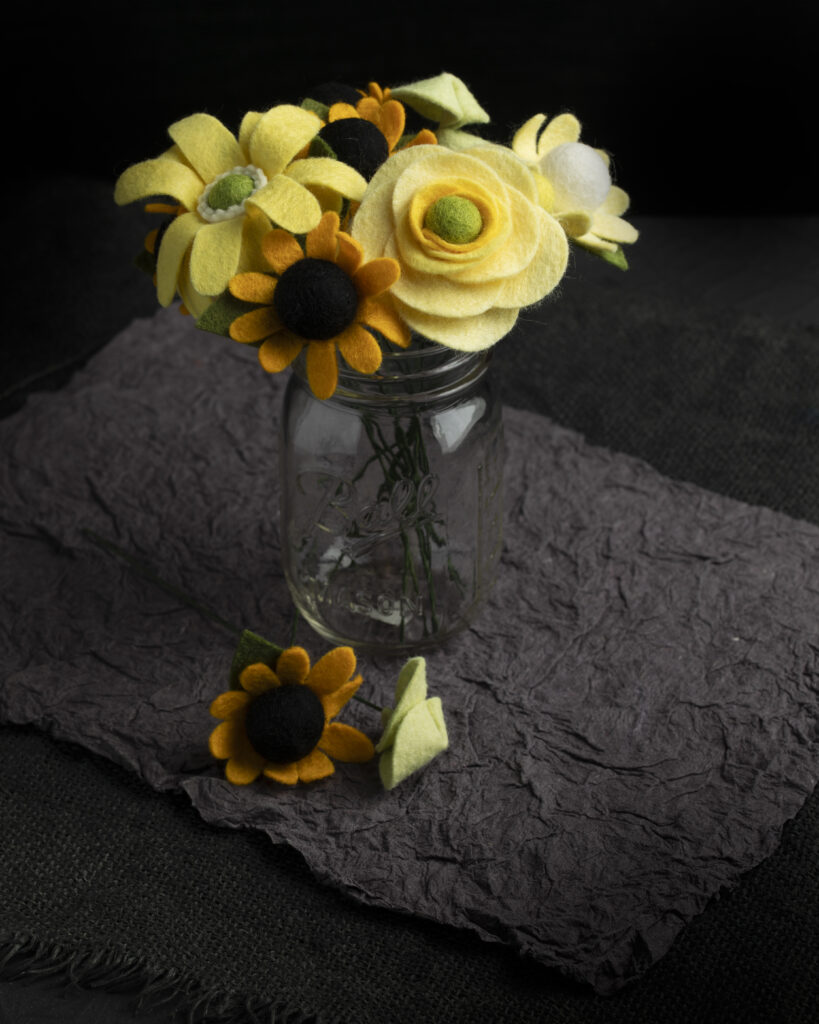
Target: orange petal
226,739
253,286
244,767
258,678
359,348
281,250
293,665
381,316
286,773
322,368
334,702
376,277
332,671
424,138
315,766
369,109
320,243
255,325
393,120
345,743
350,253
150,240
278,352
230,704
341,112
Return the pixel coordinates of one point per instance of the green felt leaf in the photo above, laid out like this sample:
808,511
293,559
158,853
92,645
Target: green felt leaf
318,147
616,259
316,107
221,313
146,262
252,649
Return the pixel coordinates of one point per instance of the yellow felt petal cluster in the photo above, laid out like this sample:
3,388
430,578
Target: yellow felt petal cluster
414,731
332,682
597,226
205,246
464,294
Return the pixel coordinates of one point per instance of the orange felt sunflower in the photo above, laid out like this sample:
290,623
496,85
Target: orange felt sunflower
280,723
388,116
325,297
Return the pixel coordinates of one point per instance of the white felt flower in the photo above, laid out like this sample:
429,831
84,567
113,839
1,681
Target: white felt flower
472,240
414,731
574,182
230,191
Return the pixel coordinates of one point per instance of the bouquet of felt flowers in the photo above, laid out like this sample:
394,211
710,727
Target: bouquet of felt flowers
332,227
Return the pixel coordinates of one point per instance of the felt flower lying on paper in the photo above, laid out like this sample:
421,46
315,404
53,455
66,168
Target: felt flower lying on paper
277,718
279,724
474,231
414,730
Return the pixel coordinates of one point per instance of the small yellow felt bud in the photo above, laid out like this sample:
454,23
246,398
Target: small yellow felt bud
455,219
230,191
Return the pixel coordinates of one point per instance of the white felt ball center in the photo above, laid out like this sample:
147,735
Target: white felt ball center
578,174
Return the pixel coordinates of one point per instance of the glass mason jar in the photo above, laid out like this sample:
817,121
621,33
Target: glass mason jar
391,498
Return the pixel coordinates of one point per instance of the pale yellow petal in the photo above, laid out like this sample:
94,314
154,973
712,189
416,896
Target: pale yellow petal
616,202
247,127
287,204
563,128
207,145
544,270
467,334
279,135
215,255
613,229
578,222
323,172
159,177
176,242
524,141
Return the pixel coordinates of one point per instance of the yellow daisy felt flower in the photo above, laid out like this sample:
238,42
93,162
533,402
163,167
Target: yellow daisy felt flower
472,240
231,190
574,183
280,724
324,297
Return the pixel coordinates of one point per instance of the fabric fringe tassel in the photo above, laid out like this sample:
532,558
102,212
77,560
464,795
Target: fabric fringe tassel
24,957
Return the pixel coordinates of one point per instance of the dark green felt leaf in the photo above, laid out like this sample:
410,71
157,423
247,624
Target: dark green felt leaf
252,649
321,109
146,262
318,147
221,313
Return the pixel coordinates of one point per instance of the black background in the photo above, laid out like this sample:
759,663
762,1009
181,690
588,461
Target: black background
707,108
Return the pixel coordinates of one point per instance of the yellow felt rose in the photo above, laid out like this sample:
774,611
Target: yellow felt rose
472,240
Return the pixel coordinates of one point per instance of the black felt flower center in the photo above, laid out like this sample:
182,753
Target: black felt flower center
315,299
284,724
358,143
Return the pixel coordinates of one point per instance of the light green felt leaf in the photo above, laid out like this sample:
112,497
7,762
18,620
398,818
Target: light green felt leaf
444,99
252,649
221,313
617,258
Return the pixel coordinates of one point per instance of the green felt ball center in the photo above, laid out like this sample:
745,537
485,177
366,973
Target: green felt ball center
230,191
455,219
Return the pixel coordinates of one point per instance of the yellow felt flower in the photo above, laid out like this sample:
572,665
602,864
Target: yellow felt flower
231,190
388,115
280,724
574,184
472,240
324,297
414,730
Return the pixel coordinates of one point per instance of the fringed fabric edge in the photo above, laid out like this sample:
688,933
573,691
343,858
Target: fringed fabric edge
24,957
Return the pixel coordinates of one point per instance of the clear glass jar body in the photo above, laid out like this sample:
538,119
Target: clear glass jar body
391,498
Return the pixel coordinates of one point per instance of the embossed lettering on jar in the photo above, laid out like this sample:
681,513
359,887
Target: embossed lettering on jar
392,498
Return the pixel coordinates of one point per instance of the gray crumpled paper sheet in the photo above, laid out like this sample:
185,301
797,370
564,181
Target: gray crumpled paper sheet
632,718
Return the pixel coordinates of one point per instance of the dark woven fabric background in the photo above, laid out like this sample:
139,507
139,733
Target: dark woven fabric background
751,956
